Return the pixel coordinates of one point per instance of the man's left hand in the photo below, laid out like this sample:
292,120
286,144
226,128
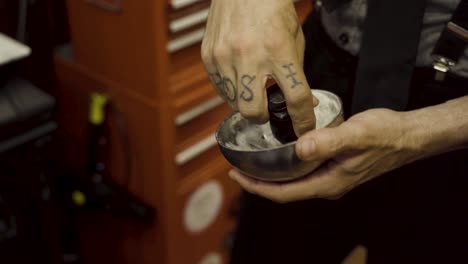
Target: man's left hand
364,147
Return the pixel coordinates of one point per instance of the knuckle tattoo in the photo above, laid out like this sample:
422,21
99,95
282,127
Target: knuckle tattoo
291,75
229,89
247,93
218,83
225,87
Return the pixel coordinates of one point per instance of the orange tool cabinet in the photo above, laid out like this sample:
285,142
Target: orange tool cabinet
146,56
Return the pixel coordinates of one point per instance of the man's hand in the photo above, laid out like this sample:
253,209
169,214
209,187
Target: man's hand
248,42
364,147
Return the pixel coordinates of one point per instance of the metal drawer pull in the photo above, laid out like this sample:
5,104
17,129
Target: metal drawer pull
176,4
198,110
189,20
195,150
185,40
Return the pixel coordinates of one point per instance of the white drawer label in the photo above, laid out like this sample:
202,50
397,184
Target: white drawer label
212,258
203,206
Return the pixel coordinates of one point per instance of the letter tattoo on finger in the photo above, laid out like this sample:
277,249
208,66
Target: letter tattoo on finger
247,93
225,87
229,90
218,82
292,75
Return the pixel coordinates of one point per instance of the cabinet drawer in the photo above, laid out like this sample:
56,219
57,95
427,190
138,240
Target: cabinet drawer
205,218
179,4
197,117
198,123
195,159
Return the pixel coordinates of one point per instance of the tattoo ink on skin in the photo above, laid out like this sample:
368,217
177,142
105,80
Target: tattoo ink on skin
229,90
219,84
247,94
292,75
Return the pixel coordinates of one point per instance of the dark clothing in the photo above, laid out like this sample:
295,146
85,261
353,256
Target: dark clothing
415,214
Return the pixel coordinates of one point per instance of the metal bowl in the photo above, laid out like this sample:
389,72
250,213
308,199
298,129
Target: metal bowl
252,148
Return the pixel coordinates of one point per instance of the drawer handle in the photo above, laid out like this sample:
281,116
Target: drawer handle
196,150
176,4
198,110
189,20
185,40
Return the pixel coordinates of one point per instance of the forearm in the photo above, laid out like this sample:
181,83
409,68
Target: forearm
438,129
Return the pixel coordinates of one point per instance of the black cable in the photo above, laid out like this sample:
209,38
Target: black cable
124,140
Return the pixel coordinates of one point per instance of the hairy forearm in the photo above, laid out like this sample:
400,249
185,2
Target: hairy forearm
438,129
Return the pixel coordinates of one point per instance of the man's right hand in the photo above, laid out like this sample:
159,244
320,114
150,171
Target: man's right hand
248,42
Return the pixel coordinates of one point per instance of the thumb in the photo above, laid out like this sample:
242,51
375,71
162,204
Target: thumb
324,143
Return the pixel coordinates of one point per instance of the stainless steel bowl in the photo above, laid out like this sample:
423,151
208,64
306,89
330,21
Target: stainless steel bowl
252,148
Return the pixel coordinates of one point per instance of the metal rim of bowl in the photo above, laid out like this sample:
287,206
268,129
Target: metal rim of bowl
339,113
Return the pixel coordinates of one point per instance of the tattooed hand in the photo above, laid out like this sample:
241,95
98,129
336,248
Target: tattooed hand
248,42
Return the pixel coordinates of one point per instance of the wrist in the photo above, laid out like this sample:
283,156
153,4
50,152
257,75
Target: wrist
437,129
417,134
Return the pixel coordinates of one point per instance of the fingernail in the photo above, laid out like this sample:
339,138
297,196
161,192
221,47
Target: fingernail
308,149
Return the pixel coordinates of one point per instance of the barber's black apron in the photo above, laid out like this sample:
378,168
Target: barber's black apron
415,214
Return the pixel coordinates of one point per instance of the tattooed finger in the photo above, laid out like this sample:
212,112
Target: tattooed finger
218,83
291,75
229,90
247,93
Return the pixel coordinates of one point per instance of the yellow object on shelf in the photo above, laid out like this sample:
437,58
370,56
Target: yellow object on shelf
97,108
79,198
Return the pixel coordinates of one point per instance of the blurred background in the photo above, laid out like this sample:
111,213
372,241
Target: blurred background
107,149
